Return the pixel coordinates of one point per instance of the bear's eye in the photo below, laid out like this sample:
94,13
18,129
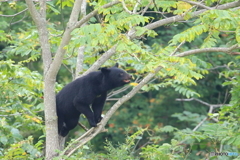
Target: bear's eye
121,74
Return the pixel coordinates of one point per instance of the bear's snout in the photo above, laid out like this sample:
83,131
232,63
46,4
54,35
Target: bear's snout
127,79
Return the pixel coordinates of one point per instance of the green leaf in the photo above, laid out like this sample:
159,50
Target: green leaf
15,133
168,129
3,140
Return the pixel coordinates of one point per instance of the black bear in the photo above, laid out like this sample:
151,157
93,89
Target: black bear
90,90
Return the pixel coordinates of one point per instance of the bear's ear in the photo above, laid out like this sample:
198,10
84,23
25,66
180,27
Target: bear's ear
105,70
116,65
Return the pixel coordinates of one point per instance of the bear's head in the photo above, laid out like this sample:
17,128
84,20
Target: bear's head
115,76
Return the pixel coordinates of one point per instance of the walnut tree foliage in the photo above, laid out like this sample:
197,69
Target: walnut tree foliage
177,51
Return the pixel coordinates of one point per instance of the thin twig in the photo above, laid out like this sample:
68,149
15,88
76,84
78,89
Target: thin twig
177,48
13,15
24,16
217,67
84,127
202,102
115,92
146,8
214,49
200,124
210,111
198,4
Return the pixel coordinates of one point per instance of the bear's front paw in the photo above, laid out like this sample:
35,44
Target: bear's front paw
97,120
92,123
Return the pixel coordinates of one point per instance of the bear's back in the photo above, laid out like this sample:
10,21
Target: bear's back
82,87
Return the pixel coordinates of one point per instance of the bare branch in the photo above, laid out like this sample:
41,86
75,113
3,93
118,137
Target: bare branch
84,8
101,60
217,67
115,92
210,111
146,8
80,57
202,102
227,31
125,7
198,4
136,6
79,65
200,124
24,16
75,12
215,49
65,39
177,48
84,127
13,15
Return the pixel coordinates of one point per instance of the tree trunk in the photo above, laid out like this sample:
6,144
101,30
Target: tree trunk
52,143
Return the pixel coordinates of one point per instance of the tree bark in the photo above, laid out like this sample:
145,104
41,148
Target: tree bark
49,80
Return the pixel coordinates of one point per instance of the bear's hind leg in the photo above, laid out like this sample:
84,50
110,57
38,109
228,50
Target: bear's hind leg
85,109
62,129
97,106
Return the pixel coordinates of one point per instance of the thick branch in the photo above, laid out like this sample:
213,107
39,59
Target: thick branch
194,14
79,65
101,60
205,50
33,11
75,11
65,40
43,8
80,56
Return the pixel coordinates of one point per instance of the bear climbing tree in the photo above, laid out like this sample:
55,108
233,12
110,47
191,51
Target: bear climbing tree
87,95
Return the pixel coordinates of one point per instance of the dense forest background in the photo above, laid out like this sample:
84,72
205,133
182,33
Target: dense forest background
186,110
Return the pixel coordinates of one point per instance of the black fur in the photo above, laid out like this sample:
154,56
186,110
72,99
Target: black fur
90,90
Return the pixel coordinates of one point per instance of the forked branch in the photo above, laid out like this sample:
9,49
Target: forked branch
210,110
